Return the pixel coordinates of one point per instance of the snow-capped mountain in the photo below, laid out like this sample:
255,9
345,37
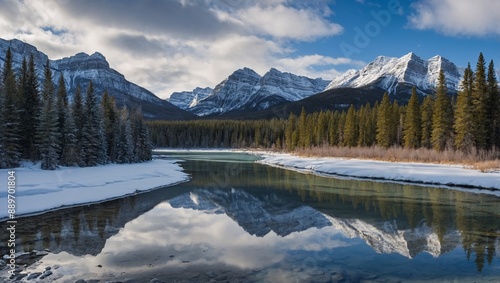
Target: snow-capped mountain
401,74
247,90
81,68
386,238
188,99
257,217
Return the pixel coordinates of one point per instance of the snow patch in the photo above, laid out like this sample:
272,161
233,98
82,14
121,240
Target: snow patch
38,190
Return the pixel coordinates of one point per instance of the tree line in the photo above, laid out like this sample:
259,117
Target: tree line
466,122
38,123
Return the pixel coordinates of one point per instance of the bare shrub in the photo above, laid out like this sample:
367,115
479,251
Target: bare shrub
480,158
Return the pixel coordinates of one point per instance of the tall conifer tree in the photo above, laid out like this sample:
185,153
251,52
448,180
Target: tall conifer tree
463,122
413,126
492,111
385,122
48,131
442,116
351,128
11,115
480,105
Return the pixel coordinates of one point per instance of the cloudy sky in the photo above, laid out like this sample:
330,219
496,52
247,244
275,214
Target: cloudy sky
175,45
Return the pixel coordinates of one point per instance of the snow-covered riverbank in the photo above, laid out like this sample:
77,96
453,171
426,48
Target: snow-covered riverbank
435,174
38,190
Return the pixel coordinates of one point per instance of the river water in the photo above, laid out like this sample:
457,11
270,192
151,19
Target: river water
240,221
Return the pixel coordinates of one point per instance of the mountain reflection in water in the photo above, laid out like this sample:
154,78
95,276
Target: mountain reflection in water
264,223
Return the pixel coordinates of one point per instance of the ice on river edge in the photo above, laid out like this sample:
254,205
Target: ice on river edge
432,174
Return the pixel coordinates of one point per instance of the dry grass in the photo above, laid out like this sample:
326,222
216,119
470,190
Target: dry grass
485,161
487,166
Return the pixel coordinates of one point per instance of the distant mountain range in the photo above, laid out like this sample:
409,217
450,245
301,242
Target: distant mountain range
283,217
81,68
245,94
246,90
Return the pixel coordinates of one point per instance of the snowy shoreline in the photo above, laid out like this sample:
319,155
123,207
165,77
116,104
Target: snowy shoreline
417,173
39,191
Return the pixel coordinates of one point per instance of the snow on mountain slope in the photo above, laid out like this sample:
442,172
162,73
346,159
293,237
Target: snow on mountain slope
391,73
256,216
247,90
82,68
189,99
386,238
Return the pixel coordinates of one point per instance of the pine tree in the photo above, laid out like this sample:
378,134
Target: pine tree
93,140
363,117
78,119
110,125
427,114
492,111
321,129
351,128
480,105
125,144
31,106
62,112
412,123
304,133
11,140
290,128
385,122
442,117
48,134
140,134
463,122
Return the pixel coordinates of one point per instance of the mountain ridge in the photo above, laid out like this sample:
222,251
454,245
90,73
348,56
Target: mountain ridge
81,68
244,89
400,74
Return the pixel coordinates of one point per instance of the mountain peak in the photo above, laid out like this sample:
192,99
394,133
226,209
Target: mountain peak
397,75
244,89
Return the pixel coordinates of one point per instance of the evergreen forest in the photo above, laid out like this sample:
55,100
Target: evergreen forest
39,123
467,122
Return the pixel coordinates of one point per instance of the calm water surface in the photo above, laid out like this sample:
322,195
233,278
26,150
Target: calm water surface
240,221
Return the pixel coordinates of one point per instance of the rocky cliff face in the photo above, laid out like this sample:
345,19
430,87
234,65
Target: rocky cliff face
187,99
80,69
400,74
247,90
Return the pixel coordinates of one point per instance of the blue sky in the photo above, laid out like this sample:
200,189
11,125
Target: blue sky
176,45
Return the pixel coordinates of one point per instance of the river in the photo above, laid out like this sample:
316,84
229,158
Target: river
240,221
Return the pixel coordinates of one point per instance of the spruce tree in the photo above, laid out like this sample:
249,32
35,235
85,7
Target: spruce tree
492,111
11,140
48,131
480,105
290,128
93,139
351,128
463,122
125,143
426,111
32,107
78,119
442,116
304,133
385,122
412,124
110,125
62,112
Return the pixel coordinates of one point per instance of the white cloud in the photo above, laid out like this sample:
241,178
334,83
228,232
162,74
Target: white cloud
287,22
457,17
168,46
